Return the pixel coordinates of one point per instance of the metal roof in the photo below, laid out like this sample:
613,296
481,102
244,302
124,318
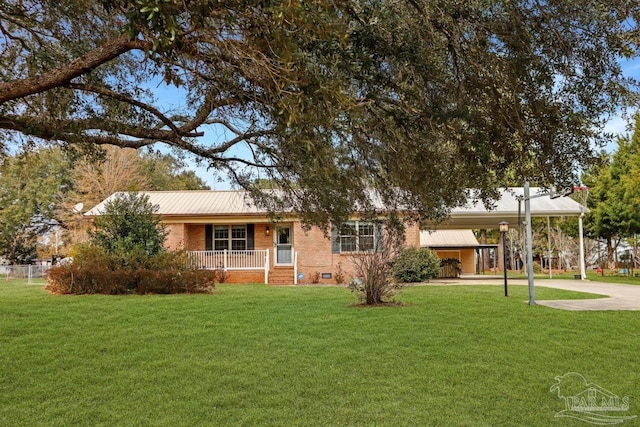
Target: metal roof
193,203
203,203
476,215
448,239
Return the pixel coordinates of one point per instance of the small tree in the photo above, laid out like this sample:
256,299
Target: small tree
129,228
374,282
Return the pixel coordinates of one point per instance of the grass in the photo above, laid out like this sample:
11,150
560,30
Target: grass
284,356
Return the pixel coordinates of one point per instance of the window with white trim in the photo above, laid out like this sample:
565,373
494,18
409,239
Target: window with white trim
357,236
232,237
239,237
366,236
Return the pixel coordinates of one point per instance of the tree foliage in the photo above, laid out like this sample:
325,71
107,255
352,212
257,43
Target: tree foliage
126,169
29,185
42,188
614,194
326,99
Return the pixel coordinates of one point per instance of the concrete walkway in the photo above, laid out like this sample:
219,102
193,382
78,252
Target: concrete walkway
620,297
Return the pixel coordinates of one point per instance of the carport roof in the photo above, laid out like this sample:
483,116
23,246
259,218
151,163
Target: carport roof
476,215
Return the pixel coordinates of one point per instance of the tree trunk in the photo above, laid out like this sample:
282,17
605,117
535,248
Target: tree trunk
611,251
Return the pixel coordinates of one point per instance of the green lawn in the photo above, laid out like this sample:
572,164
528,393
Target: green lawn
285,356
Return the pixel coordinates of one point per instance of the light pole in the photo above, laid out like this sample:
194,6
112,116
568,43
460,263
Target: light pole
504,227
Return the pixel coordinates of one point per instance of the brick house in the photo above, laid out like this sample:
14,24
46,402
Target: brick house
224,230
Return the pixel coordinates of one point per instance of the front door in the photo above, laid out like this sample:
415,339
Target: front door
284,246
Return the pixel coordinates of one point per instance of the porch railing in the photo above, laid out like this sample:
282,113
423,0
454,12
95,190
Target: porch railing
231,260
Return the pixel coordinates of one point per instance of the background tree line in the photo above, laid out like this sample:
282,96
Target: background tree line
44,191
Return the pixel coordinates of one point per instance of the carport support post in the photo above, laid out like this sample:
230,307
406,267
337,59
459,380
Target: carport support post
527,216
583,273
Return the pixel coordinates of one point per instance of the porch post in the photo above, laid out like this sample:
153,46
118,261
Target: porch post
549,245
527,217
583,273
266,267
295,266
224,259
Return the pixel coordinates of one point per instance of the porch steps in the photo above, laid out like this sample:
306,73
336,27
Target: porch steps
281,276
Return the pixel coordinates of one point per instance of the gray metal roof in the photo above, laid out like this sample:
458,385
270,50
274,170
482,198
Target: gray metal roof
474,215
448,239
193,203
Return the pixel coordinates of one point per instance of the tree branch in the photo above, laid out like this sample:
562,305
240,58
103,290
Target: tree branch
129,100
78,67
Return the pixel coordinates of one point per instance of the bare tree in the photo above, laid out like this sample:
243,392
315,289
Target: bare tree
373,281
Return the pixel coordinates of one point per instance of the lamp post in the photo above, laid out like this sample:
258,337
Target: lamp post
504,227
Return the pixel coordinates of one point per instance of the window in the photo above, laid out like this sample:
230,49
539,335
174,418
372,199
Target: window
348,238
355,236
221,237
239,238
232,237
366,238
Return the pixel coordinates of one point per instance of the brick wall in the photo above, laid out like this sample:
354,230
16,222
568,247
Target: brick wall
248,276
176,237
196,238
261,240
314,254
314,250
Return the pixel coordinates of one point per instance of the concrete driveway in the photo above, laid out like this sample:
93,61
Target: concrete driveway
620,297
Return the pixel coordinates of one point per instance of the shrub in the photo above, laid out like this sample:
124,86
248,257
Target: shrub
221,275
416,265
339,275
94,270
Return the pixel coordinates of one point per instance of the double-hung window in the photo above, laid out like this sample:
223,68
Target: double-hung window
232,237
357,236
366,236
238,237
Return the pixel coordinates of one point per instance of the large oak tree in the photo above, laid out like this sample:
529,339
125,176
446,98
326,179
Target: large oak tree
419,99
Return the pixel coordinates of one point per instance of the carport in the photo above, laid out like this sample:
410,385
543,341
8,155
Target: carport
510,208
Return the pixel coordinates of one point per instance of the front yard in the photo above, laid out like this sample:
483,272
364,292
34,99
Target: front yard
283,356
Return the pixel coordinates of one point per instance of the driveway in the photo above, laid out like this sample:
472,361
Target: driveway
620,297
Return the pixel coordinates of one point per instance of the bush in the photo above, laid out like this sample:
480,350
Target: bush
339,275
95,271
416,265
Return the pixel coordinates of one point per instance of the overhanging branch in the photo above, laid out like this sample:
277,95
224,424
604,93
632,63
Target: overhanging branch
110,50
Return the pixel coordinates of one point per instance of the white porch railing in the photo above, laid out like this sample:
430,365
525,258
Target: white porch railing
231,260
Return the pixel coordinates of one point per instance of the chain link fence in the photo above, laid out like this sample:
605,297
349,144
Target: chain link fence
27,272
